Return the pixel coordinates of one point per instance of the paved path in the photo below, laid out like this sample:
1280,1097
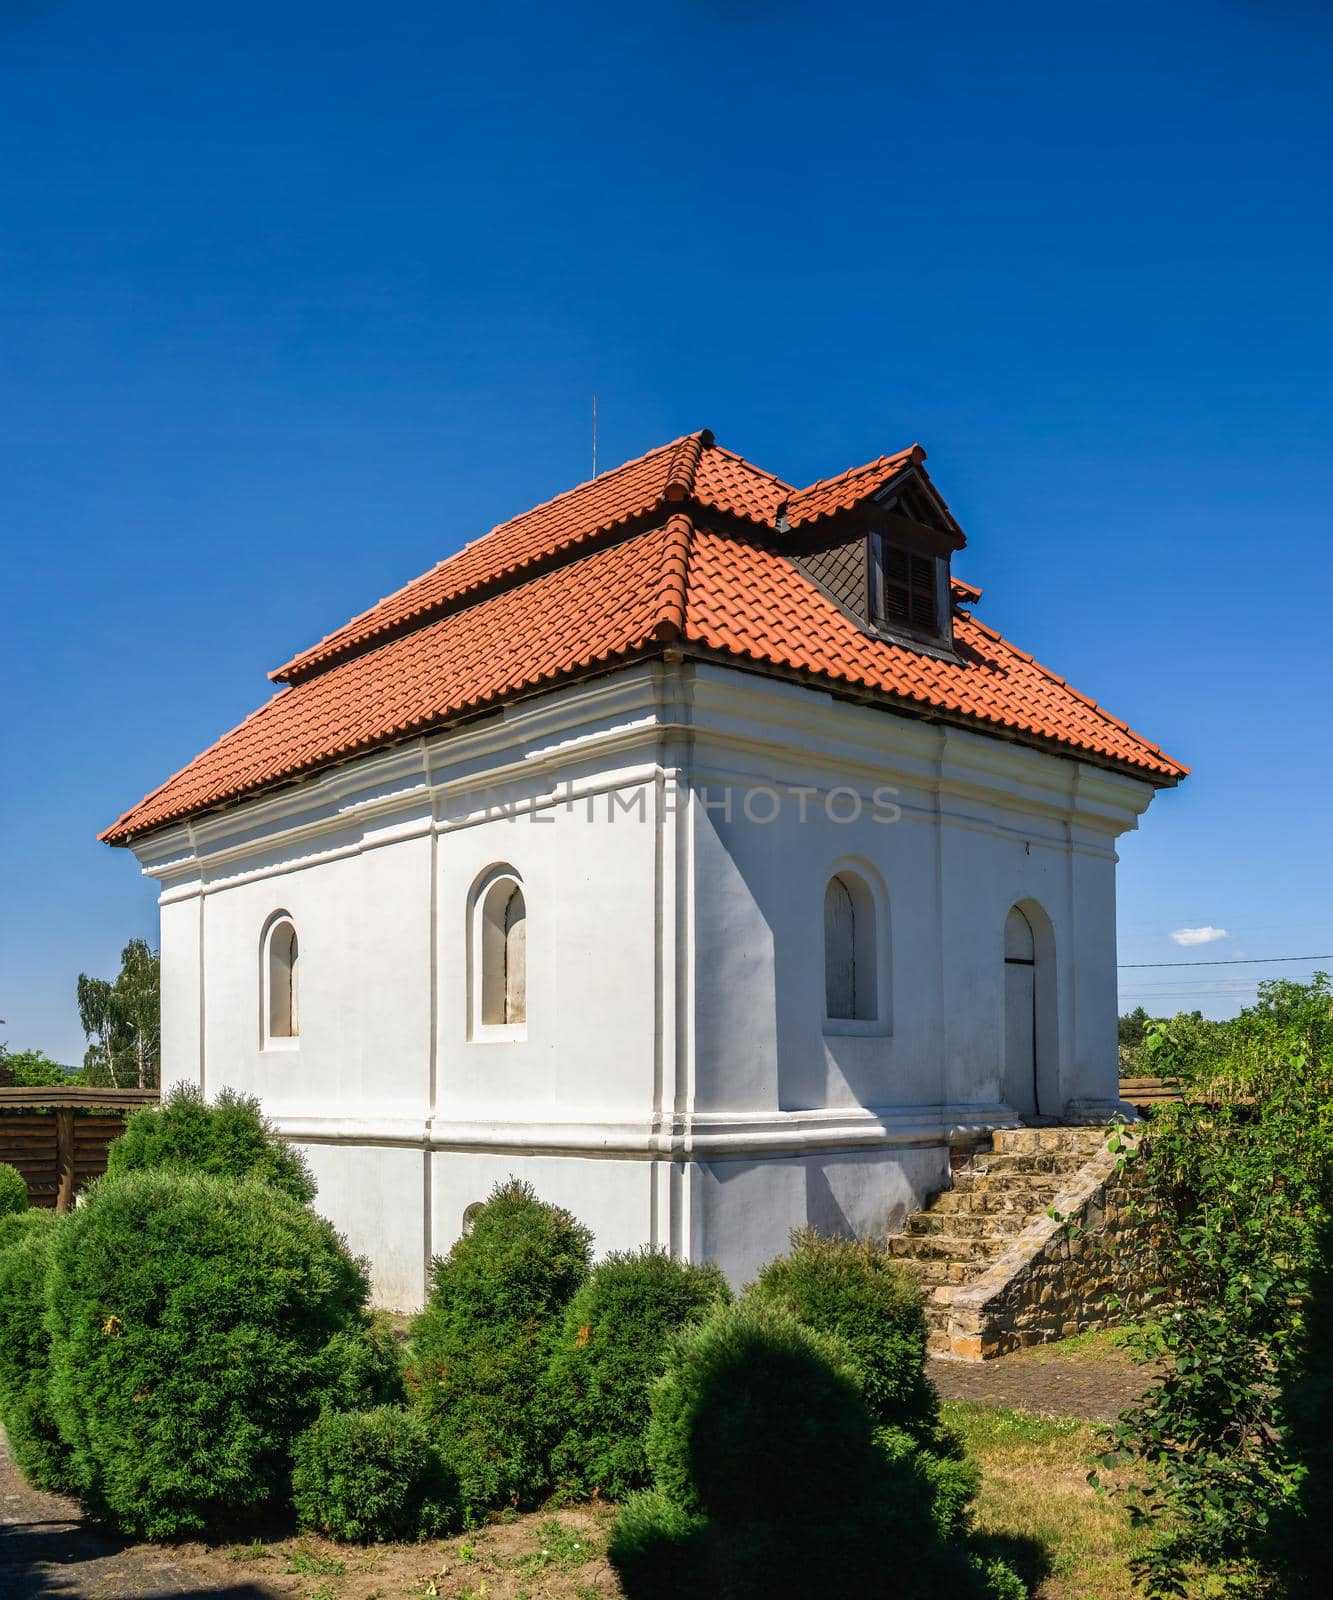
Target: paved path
47,1552
1094,1387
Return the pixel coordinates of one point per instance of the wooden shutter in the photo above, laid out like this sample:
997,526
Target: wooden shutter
839,951
909,590
516,958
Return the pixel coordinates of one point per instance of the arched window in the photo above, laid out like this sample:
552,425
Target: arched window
851,977
504,954
282,981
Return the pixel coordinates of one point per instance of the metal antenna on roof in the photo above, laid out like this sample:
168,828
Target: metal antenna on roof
594,433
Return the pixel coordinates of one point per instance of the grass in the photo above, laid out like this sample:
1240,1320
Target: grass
558,1546
1037,1509
1101,1343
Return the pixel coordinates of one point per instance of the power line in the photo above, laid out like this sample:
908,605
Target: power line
1244,961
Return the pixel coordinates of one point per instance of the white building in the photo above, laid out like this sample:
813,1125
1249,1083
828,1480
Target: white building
684,846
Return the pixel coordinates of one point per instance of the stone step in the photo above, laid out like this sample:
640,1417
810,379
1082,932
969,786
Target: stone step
1030,1163
1028,1201
939,1273
1016,1183
1017,1141
942,1247
968,1224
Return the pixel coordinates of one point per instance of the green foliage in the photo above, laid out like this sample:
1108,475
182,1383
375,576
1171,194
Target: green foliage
611,1348
481,1347
15,1225
122,1021
1239,1182
190,1319
359,1369
33,1069
728,1435
13,1190
25,1244
769,1480
370,1475
1199,1046
229,1138
1134,1027
853,1289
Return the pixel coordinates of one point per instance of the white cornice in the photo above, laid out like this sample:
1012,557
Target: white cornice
698,720
701,1137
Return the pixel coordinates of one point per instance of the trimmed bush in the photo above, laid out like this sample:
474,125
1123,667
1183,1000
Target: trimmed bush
361,1369
228,1137
769,1482
853,1288
757,1418
13,1190
370,1475
25,1351
193,1322
612,1347
16,1225
481,1347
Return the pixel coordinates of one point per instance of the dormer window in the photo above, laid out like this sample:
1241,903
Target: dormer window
909,591
911,585
884,560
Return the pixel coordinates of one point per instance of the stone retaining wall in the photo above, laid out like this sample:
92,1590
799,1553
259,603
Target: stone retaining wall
1064,1274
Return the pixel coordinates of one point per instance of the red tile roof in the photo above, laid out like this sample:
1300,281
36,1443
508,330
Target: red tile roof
678,548
829,495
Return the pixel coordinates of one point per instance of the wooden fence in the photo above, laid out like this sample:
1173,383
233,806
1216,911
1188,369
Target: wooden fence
58,1138
1145,1093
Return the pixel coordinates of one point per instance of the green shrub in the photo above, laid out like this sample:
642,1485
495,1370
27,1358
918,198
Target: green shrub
756,1417
360,1369
853,1288
369,1475
769,1481
15,1225
191,1320
25,1350
481,1347
229,1138
612,1347
13,1190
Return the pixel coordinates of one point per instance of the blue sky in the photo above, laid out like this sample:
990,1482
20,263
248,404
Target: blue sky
296,298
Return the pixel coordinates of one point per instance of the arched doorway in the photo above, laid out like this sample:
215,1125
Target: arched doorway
1020,1015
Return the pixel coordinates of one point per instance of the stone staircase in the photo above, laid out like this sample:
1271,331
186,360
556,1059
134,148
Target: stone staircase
995,1198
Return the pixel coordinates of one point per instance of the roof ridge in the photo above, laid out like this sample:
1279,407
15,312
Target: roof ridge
684,464
865,466
673,585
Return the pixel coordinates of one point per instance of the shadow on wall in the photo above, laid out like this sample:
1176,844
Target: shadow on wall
823,1210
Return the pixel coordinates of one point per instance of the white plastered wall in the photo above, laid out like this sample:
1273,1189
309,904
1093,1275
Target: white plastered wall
675,1083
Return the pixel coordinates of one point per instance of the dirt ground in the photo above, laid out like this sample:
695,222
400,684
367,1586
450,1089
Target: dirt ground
542,1556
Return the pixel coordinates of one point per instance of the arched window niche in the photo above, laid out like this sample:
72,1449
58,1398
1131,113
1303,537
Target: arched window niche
280,983
856,949
499,956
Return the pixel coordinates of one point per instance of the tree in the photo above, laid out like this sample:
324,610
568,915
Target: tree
1134,1025
33,1069
1228,1466
122,1020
